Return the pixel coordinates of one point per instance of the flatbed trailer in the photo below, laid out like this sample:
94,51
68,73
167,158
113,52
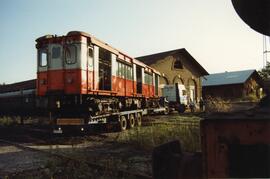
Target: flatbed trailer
121,120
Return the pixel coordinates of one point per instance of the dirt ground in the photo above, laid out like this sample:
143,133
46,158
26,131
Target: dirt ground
129,150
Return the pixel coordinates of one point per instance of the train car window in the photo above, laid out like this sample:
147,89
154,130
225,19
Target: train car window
118,69
123,70
104,55
156,84
43,57
71,54
129,73
90,55
148,79
90,52
56,52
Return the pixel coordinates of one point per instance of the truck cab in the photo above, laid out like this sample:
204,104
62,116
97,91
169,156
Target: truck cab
176,96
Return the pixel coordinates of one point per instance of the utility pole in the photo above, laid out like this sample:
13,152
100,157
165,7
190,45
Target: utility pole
266,49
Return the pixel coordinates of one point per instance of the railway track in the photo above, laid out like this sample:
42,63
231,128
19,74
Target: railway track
119,173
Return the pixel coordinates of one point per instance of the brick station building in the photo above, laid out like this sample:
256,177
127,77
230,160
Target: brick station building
178,66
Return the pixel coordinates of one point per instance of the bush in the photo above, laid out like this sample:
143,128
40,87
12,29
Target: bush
217,105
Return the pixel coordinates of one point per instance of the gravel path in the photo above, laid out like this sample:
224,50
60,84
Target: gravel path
14,160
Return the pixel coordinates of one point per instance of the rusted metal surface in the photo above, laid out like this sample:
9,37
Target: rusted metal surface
69,121
236,144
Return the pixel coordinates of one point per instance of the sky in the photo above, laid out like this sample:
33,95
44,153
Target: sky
210,30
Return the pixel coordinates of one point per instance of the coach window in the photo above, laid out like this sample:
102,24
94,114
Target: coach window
129,72
43,57
123,70
90,55
118,69
148,79
71,54
56,52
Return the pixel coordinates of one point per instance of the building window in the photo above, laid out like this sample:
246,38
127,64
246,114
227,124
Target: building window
178,64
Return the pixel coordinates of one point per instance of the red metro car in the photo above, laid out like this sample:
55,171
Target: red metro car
81,76
79,63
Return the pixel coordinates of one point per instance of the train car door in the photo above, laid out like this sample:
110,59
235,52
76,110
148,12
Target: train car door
42,75
55,68
105,72
139,79
90,69
156,84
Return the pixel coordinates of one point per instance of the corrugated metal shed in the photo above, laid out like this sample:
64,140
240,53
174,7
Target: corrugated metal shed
227,78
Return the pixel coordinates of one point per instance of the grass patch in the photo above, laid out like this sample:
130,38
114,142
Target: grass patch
185,129
9,121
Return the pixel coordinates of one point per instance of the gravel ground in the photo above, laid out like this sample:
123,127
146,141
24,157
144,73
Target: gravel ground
102,149
14,160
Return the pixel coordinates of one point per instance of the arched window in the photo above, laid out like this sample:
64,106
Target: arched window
163,80
192,90
178,64
178,80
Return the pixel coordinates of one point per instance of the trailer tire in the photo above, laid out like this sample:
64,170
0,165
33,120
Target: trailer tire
131,121
139,119
181,108
167,111
123,123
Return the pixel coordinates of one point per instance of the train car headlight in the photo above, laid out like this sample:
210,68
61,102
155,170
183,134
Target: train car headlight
69,80
42,82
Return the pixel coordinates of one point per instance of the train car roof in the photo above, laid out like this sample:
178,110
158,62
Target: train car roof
101,44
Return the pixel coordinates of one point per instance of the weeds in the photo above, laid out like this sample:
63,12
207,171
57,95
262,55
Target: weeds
9,121
217,105
147,138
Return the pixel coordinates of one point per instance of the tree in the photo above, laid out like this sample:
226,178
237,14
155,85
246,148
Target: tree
265,72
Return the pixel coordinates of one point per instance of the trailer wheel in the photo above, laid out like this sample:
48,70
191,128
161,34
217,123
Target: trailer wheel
167,111
123,123
181,108
131,121
139,119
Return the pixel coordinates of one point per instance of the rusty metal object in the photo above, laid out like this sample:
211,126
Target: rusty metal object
170,162
70,121
236,144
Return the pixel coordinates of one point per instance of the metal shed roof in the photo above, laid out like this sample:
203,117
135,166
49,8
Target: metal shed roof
227,78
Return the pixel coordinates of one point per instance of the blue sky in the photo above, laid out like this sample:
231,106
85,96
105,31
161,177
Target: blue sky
210,30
